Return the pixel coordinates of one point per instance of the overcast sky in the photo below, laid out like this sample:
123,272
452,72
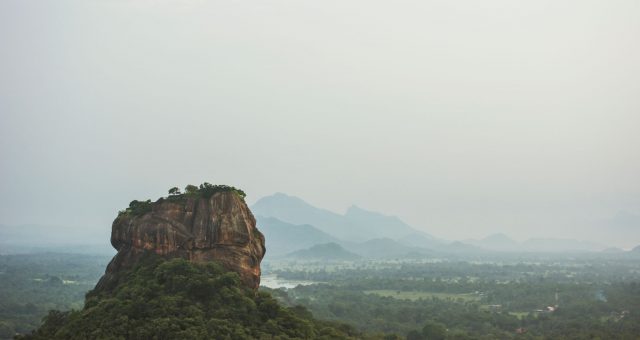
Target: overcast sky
464,118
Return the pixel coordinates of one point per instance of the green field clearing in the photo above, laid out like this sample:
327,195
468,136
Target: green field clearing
519,315
416,295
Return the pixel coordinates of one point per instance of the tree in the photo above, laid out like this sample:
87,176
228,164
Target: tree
138,208
174,191
434,330
190,189
414,335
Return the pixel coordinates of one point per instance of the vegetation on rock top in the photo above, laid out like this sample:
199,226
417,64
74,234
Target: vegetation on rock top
206,190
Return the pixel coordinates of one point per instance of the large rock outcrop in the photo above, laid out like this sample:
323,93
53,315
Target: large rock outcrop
220,227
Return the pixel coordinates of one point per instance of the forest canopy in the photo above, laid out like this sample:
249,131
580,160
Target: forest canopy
176,299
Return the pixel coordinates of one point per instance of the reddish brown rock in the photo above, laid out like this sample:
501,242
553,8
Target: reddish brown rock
220,228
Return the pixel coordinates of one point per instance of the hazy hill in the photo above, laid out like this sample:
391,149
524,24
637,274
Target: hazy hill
356,225
461,247
327,252
613,250
552,245
501,242
496,242
282,238
296,211
385,248
378,225
422,240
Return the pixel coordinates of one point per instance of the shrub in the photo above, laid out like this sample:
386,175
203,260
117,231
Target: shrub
137,208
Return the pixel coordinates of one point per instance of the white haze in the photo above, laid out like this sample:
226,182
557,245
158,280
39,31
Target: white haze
464,118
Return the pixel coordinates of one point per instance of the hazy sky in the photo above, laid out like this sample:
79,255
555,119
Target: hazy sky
463,117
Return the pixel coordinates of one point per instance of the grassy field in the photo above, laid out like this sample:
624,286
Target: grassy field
519,315
415,295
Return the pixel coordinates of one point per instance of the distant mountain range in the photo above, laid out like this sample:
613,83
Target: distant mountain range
385,248
497,242
291,225
356,225
282,238
293,228
552,245
324,252
501,242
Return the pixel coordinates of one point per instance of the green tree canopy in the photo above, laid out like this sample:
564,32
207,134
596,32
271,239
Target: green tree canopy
191,189
176,299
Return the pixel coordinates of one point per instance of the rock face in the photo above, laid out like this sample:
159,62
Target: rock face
220,228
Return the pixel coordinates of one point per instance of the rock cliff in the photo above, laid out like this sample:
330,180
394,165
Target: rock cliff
195,227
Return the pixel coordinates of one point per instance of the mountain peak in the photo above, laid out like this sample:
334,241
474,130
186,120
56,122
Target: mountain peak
279,200
282,195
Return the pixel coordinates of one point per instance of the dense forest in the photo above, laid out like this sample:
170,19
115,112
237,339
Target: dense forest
558,298
176,299
33,284
597,298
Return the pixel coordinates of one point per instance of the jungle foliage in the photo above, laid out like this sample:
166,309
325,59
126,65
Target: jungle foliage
176,299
